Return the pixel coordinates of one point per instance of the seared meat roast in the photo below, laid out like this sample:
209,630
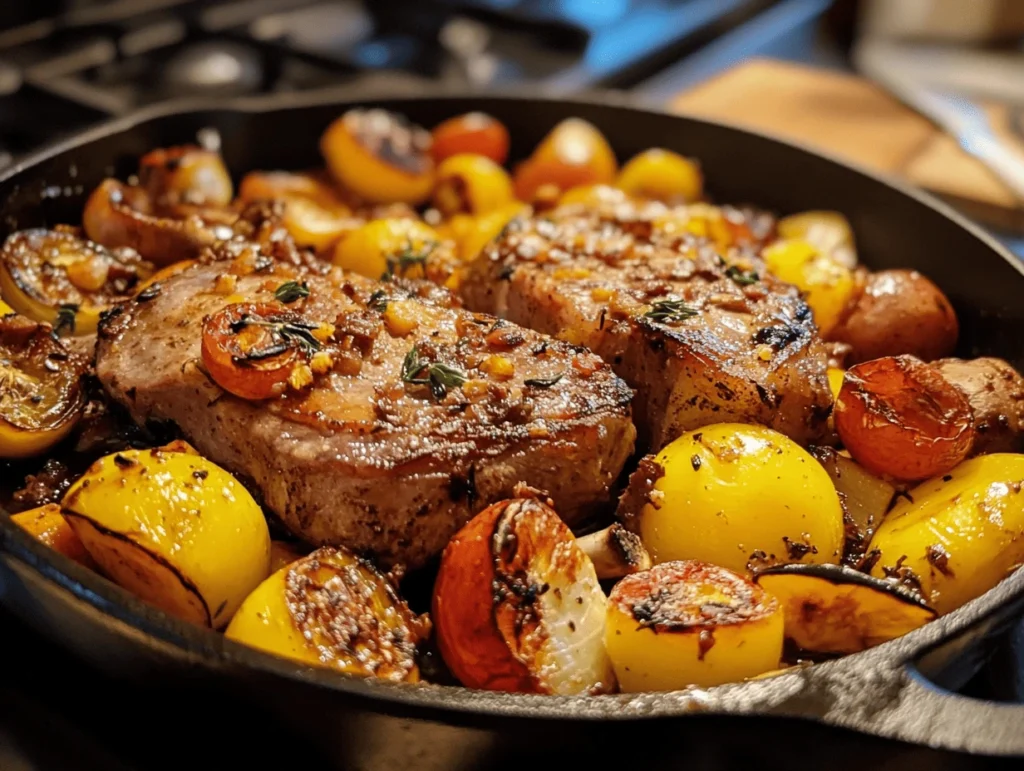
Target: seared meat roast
422,415
701,332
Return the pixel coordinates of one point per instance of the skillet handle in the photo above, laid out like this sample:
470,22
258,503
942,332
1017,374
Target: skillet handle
910,696
928,714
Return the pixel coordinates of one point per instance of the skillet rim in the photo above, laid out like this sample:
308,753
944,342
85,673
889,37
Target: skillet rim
94,594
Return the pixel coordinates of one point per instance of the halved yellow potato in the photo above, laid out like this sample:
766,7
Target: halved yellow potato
835,609
41,394
956,536
829,285
730,493
332,609
828,231
47,525
174,529
690,623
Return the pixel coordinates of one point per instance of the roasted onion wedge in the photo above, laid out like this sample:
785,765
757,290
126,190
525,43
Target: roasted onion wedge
119,215
517,604
331,609
47,525
58,277
901,417
690,623
865,498
41,396
172,528
835,609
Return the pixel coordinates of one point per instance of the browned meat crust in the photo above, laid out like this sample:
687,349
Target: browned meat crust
703,338
362,458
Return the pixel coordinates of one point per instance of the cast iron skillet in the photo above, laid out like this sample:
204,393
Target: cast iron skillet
887,691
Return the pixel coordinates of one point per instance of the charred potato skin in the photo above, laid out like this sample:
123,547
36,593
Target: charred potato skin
334,610
29,347
836,609
995,391
954,537
899,312
488,607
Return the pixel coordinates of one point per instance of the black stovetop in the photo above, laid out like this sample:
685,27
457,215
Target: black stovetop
67,63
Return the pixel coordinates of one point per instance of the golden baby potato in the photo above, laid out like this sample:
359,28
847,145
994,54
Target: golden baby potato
334,610
173,528
729,493
689,623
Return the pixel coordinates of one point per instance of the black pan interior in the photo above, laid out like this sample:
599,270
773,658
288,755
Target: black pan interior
894,228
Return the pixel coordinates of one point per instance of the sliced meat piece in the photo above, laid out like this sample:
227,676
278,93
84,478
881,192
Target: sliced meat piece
363,458
703,338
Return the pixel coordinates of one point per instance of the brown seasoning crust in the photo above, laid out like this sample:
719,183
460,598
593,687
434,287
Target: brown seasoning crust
353,617
326,458
667,311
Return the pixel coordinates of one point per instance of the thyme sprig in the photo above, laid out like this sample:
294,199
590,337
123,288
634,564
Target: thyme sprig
671,311
290,291
438,376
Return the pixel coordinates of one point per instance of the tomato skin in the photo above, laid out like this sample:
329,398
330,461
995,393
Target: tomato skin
899,416
476,133
224,354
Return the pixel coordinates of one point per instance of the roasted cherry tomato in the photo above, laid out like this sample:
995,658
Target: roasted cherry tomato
60,278
185,176
474,132
41,397
471,184
901,417
256,351
379,156
662,175
574,153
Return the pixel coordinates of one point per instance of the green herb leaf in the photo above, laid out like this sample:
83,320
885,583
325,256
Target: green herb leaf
671,311
742,277
378,301
290,291
543,382
409,257
288,331
66,315
440,377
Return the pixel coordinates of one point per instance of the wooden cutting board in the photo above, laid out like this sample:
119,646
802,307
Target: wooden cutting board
857,120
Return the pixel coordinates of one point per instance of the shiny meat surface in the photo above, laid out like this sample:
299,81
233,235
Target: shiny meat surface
362,457
700,334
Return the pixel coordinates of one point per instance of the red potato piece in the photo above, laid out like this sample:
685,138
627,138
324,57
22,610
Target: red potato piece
901,417
517,605
899,312
995,391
